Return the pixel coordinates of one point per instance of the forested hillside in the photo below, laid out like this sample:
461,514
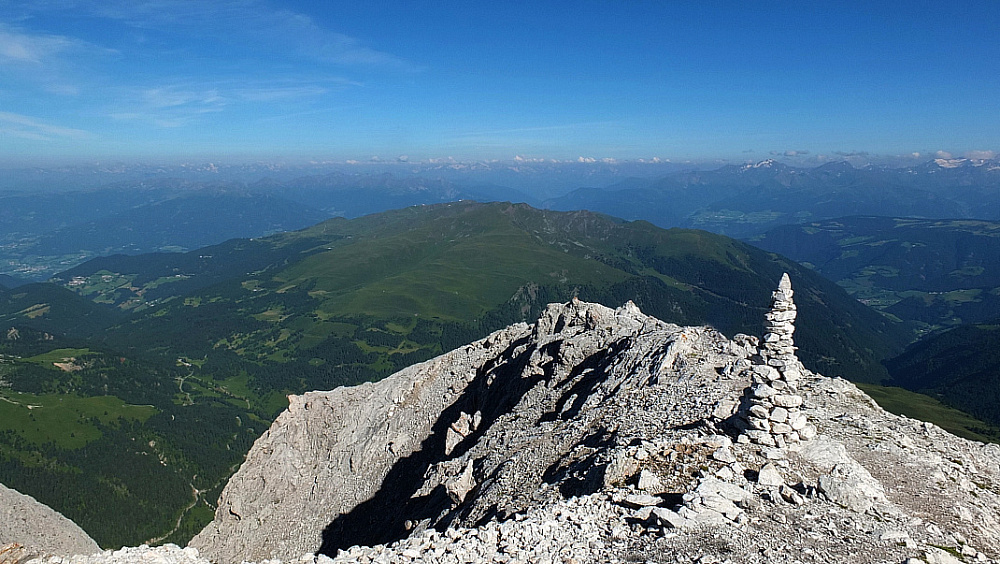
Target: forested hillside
961,366
933,273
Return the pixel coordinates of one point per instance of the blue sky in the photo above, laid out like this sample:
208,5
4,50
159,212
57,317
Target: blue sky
256,79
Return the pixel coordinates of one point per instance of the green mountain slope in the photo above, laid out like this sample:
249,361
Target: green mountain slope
936,273
393,287
137,282
10,281
960,366
48,307
105,438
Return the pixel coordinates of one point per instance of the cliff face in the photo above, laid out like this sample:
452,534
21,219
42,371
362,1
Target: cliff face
602,435
38,528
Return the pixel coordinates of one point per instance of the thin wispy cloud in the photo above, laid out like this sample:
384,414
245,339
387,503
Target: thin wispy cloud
54,64
183,103
170,97
284,117
24,48
26,127
248,23
279,93
537,129
170,106
288,62
314,41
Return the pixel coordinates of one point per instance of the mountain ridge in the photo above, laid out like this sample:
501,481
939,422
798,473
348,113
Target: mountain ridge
747,200
459,262
215,339
959,366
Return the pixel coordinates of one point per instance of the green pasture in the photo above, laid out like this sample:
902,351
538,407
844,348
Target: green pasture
63,419
926,408
48,359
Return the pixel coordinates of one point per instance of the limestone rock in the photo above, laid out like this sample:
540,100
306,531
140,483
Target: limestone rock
844,481
342,464
642,500
851,486
621,468
38,528
769,476
461,485
457,431
671,518
650,482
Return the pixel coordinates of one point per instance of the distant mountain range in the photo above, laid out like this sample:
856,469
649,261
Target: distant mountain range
44,231
353,195
544,178
185,222
42,235
747,200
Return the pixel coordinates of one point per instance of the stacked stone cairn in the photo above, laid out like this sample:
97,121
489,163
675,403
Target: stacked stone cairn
771,405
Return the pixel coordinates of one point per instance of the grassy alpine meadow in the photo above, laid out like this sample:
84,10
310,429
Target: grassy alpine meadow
65,420
925,408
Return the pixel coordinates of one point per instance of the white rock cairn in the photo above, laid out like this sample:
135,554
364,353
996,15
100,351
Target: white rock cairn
771,405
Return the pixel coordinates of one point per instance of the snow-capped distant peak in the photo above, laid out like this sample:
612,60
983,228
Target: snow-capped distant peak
766,163
949,163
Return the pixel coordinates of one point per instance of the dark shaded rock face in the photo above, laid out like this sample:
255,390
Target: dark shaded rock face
598,435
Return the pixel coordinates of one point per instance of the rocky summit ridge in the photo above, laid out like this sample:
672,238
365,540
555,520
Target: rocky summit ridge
603,435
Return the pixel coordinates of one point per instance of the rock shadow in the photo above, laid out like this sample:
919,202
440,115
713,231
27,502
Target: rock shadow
583,381
583,475
395,508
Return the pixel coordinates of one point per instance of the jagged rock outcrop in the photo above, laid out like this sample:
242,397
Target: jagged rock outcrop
38,529
600,435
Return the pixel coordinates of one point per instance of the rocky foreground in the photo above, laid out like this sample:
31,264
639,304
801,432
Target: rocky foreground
25,520
601,435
